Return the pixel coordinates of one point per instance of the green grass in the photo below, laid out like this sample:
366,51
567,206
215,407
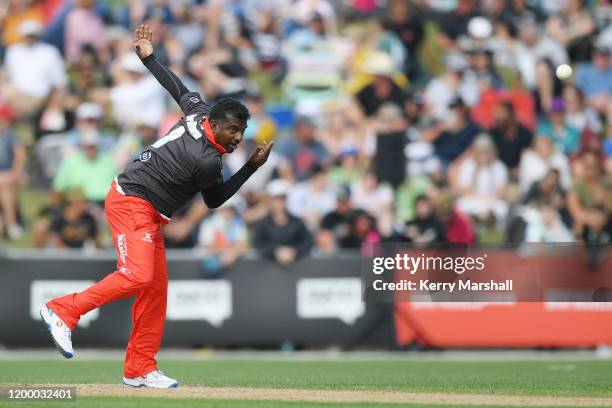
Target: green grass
120,402
550,378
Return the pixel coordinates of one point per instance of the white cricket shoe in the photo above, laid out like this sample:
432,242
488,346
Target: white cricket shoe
155,379
59,331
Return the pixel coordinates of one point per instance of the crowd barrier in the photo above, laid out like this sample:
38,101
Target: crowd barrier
314,303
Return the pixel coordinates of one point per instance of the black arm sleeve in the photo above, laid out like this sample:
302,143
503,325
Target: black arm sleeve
216,195
166,78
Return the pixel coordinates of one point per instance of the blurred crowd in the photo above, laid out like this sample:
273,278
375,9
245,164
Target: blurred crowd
413,121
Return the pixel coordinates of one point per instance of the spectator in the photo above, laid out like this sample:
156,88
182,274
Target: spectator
12,161
303,152
89,127
33,69
590,202
481,182
76,38
55,115
538,160
458,226
312,199
223,235
89,168
73,226
382,90
376,199
594,78
564,136
426,228
280,236
458,134
335,225
511,138
544,224
362,230
137,98
577,114
573,27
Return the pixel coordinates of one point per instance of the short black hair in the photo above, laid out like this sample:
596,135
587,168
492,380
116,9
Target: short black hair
229,107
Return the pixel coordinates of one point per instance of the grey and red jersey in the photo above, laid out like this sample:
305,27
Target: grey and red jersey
187,160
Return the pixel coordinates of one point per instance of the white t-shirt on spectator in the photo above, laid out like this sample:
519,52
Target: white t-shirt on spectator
139,102
485,180
35,70
533,168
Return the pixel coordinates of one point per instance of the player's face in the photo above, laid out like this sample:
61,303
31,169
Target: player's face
228,132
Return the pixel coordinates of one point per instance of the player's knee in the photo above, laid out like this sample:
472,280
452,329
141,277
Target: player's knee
141,280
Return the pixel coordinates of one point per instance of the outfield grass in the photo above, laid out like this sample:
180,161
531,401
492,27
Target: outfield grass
548,378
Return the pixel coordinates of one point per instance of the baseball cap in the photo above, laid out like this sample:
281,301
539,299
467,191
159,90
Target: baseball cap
31,28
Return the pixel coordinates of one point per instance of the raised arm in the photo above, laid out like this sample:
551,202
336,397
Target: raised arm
143,46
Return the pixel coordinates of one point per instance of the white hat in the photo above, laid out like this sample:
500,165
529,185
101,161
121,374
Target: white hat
131,62
277,187
480,27
30,28
89,110
380,63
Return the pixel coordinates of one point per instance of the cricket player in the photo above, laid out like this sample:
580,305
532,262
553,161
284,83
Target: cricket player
169,173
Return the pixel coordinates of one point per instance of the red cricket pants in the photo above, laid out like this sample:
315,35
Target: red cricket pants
141,271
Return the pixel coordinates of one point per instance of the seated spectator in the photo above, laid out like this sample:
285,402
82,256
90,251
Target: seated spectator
375,199
458,134
280,236
594,78
590,202
76,38
138,98
538,160
577,114
573,26
544,224
458,226
89,125
426,227
12,161
55,116
362,230
511,138
348,170
564,136
335,225
481,182
182,232
547,190
223,235
311,199
33,69
73,226
89,168
382,90
303,152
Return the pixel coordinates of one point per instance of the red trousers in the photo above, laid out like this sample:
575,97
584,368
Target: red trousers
141,271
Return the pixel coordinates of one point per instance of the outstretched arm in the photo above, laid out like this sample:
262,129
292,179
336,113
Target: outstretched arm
143,46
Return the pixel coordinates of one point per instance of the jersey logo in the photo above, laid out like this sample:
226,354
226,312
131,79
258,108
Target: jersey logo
147,237
144,156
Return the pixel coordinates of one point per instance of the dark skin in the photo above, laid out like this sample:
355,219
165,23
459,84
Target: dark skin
228,132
